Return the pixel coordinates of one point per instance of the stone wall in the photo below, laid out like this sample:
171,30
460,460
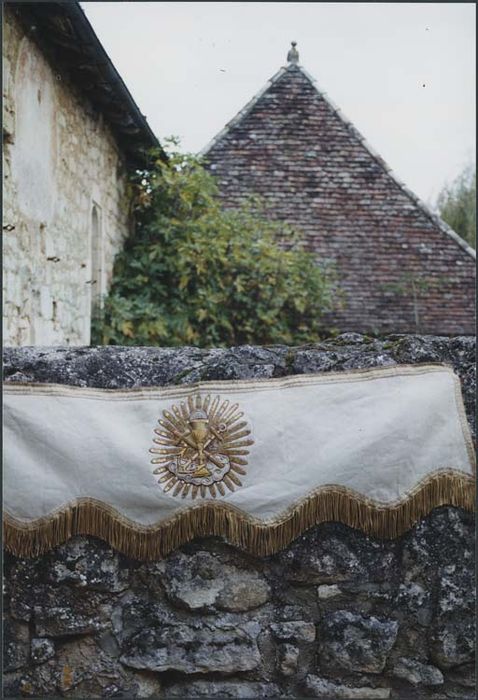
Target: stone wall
335,615
60,161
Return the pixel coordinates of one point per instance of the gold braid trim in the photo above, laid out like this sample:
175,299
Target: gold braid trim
87,516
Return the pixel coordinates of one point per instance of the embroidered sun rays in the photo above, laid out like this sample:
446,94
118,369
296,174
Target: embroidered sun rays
201,447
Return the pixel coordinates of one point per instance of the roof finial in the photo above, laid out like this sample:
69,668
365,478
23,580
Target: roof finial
293,55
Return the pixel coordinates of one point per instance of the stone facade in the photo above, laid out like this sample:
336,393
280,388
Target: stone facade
334,615
399,268
66,207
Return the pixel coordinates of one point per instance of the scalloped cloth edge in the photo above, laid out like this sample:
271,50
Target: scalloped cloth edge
328,504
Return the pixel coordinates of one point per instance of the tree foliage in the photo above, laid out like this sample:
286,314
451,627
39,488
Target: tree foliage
457,205
195,273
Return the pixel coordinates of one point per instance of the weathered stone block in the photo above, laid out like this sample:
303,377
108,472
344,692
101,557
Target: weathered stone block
452,642
297,631
316,687
287,659
197,647
22,576
326,592
16,645
61,612
417,673
354,642
223,689
456,589
337,554
203,582
246,592
42,650
416,602
91,565
82,670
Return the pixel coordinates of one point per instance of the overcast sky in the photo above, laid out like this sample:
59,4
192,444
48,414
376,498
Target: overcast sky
404,74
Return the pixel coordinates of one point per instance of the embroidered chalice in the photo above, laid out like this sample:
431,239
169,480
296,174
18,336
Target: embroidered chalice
202,447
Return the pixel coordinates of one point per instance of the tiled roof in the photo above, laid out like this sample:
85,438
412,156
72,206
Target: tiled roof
292,145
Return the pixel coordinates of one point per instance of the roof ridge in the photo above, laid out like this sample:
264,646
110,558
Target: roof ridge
243,112
442,225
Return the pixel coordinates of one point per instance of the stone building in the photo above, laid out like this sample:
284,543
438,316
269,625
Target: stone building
71,134
400,268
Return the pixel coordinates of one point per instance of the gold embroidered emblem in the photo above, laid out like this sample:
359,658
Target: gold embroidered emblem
202,447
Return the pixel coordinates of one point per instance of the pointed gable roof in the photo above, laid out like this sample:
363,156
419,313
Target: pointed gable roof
292,145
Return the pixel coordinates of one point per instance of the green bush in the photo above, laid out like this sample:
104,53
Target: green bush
195,273
457,205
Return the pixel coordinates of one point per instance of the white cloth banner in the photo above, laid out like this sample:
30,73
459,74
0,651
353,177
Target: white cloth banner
260,448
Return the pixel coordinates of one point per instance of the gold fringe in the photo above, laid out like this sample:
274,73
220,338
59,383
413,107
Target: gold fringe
329,503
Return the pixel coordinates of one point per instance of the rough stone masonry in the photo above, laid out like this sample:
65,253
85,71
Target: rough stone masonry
65,193
335,615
